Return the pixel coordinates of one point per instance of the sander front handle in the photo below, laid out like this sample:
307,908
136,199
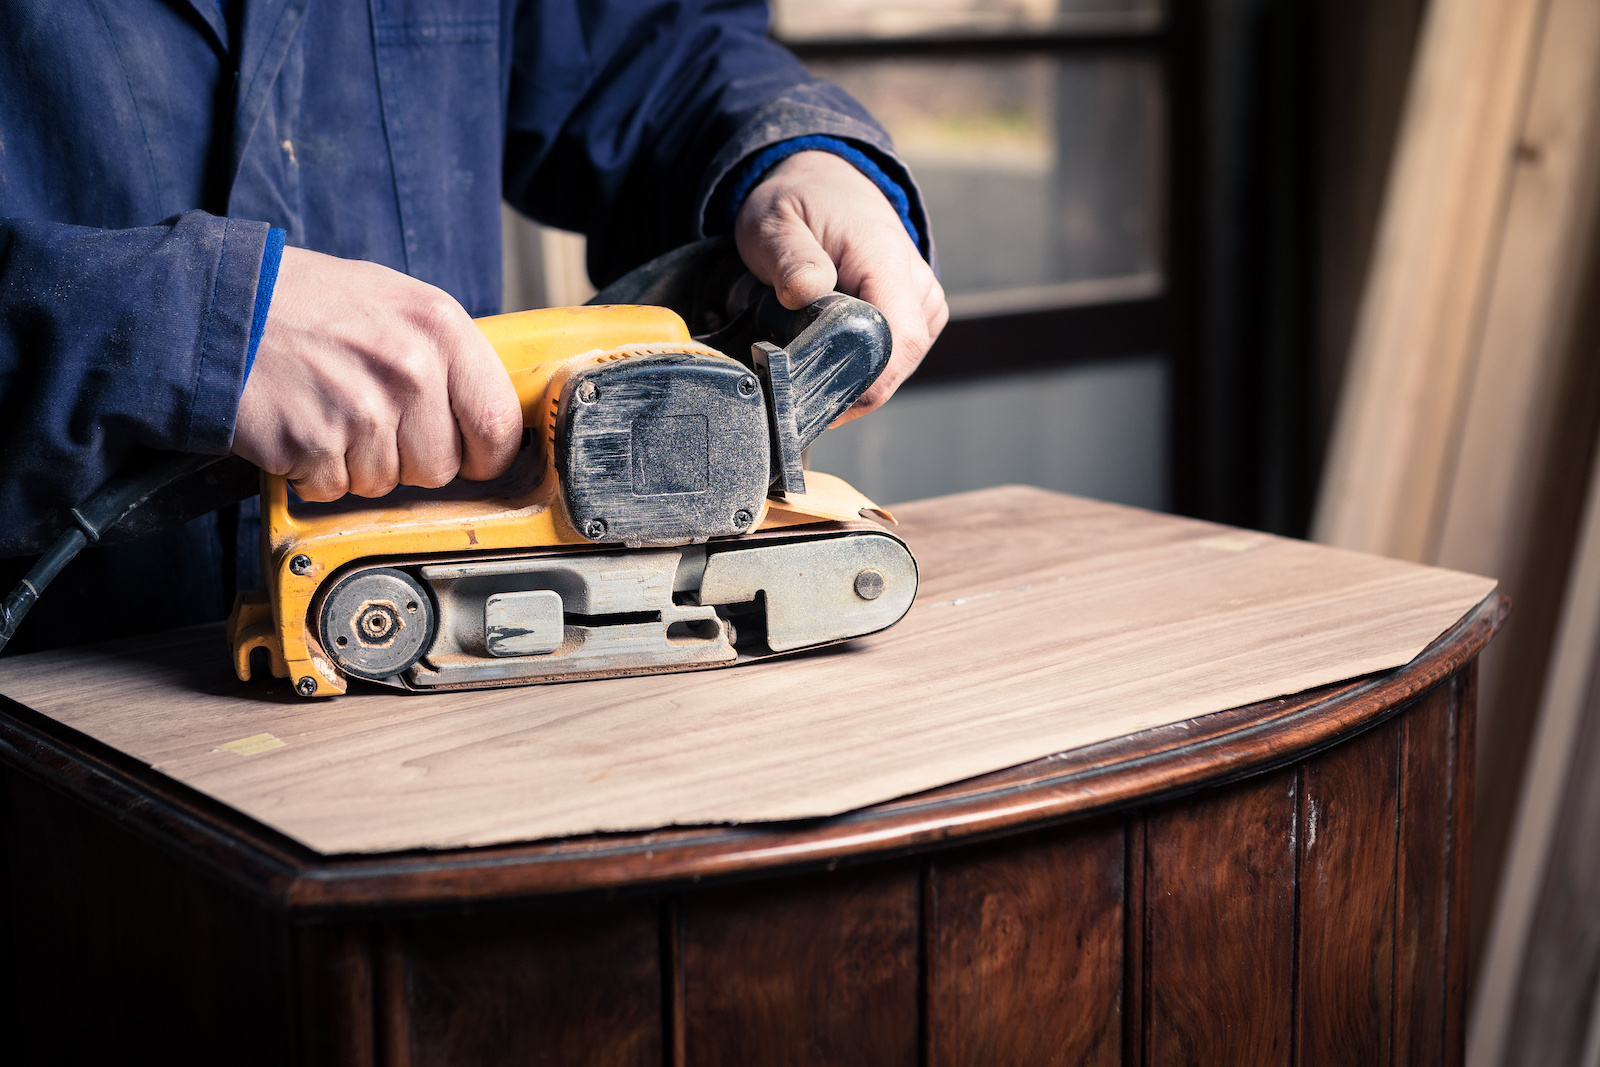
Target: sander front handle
836,347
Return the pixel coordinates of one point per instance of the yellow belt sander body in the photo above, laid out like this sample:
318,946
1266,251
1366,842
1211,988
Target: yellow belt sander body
656,519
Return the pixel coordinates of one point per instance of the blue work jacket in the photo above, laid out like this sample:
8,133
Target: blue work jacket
147,146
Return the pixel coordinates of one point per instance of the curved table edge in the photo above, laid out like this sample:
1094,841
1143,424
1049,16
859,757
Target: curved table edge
1138,769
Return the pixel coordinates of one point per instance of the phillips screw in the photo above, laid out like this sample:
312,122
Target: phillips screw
747,386
588,392
306,686
741,519
594,529
300,565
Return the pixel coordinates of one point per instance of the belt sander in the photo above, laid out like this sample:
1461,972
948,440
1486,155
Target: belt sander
657,517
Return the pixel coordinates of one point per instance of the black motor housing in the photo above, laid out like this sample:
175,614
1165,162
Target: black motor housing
663,449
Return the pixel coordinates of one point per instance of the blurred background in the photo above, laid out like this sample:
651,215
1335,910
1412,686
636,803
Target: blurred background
1317,267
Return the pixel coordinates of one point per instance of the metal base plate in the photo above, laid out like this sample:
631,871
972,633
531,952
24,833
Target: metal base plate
571,614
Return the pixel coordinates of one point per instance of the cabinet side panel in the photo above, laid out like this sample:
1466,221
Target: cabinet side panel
1345,988
1219,896
1459,918
333,977
1026,951
1426,769
562,982
117,945
812,970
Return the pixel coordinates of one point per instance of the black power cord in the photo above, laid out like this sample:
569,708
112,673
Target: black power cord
104,509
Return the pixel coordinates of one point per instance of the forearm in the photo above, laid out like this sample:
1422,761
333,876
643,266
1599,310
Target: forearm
646,159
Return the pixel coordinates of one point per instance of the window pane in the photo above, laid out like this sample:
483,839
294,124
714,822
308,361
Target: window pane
821,20
1041,173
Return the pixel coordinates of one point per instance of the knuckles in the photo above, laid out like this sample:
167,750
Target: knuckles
500,422
436,478
437,315
374,488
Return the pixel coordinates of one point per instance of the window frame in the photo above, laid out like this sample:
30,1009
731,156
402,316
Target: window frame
979,346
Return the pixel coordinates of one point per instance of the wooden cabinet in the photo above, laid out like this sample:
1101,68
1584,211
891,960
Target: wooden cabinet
1283,883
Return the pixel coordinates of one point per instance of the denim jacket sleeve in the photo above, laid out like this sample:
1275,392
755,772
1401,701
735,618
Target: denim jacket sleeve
111,340
627,118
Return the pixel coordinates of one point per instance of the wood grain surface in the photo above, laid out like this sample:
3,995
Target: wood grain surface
1411,360
812,970
1024,949
1344,1012
1513,989
1044,623
1422,879
574,983
1219,926
1472,399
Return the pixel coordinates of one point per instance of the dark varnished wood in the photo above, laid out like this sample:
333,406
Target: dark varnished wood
820,969
1158,899
574,983
1347,840
1427,767
1021,939
333,980
1458,920
1135,943
103,921
1219,920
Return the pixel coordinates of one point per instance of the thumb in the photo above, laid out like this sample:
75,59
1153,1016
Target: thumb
783,252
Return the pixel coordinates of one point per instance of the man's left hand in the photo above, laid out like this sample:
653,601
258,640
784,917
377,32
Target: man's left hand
814,224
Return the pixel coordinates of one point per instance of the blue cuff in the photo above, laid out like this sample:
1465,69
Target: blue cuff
753,169
271,256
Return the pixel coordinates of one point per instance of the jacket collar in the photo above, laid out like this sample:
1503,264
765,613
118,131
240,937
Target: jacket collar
210,12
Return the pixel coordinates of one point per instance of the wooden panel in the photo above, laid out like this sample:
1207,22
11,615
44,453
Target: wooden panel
1344,1010
1458,956
1135,975
1410,362
120,947
572,983
1557,764
1219,898
815,970
1473,397
1024,955
1556,1011
333,985
1515,498
1132,620
1421,914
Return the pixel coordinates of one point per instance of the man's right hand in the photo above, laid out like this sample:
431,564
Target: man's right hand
366,379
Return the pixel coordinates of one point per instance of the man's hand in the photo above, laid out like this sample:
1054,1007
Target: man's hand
366,379
816,223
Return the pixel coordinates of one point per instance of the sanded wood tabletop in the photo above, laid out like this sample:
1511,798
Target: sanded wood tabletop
1044,623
